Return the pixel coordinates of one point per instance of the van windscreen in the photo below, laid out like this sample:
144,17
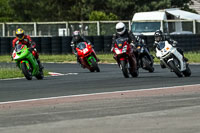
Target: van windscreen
145,26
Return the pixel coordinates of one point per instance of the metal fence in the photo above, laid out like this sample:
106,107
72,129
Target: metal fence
88,28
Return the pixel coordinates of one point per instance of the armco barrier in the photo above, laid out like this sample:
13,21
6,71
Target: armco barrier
107,43
188,42
61,45
66,45
37,40
6,45
56,45
98,43
90,38
46,45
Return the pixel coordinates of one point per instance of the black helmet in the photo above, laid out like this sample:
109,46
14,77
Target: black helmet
158,35
76,35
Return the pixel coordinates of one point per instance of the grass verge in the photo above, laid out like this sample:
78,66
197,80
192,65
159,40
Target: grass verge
13,73
194,57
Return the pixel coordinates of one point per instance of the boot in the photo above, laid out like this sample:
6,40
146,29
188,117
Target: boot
186,59
40,65
95,56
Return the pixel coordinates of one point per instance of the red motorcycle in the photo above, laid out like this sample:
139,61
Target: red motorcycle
125,58
87,56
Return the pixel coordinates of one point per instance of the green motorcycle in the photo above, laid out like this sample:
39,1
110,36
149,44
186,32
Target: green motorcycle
27,62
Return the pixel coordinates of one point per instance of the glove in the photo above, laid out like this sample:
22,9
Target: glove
132,44
174,43
31,49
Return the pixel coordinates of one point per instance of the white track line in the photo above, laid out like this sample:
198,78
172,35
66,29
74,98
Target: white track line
82,95
50,74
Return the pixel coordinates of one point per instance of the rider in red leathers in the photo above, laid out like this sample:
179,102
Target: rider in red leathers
21,38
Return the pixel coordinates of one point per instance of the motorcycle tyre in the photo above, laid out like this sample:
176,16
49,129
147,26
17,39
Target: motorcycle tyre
26,72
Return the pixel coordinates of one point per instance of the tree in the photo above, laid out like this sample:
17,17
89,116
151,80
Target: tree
99,15
5,11
77,10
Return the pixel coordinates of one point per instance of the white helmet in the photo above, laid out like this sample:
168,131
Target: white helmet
120,28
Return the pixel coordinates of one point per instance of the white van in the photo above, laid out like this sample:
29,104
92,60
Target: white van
147,23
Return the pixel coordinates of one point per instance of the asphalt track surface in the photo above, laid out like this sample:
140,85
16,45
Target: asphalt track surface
109,79
162,113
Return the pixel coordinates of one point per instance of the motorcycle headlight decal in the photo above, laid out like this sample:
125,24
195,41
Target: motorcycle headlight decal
124,49
85,50
167,48
117,51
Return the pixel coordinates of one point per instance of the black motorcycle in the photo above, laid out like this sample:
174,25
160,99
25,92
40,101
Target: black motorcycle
145,59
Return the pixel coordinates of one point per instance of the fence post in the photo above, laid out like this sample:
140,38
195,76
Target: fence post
98,28
67,31
35,29
194,26
3,30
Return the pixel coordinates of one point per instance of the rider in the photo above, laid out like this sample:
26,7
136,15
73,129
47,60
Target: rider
21,38
77,38
158,36
121,31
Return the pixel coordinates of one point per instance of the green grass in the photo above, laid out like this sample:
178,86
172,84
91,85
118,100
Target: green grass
194,57
13,72
10,73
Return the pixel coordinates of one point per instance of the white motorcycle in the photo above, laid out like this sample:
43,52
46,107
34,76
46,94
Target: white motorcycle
172,59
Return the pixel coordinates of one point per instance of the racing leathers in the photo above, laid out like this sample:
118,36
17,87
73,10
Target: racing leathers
74,44
131,41
30,44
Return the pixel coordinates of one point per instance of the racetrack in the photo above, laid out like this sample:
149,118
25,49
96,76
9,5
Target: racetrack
165,112
84,82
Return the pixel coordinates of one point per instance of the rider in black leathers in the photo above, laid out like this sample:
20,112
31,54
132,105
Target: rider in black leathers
121,31
77,38
158,36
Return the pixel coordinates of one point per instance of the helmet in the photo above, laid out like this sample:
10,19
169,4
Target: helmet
20,33
76,35
120,28
158,35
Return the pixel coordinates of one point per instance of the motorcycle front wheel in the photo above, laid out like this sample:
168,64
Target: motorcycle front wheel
27,73
124,68
95,65
147,64
175,69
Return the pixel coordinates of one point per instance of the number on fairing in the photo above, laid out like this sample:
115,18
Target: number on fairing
85,50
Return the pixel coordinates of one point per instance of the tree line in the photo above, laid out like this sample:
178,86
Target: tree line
81,10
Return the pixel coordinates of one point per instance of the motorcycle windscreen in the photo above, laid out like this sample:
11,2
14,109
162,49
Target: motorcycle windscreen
81,45
120,42
19,47
161,45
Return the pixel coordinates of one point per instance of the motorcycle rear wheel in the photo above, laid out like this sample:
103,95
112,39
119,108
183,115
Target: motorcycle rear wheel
147,64
27,73
134,73
40,75
187,72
